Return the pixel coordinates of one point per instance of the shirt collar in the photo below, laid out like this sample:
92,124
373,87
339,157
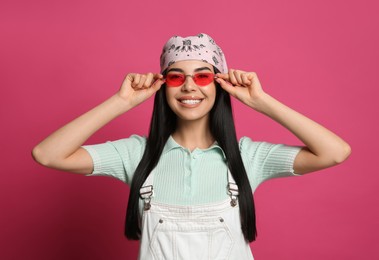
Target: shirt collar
172,144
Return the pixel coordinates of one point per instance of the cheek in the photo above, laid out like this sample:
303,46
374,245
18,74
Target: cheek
170,96
210,92
169,92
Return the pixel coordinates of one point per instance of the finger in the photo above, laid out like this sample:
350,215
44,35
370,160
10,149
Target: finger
232,78
254,80
142,81
252,75
224,76
158,76
245,80
130,77
149,80
136,80
155,86
227,86
237,75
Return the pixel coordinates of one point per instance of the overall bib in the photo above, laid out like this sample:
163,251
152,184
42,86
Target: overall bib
204,232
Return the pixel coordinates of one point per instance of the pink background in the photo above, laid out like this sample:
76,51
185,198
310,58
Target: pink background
61,58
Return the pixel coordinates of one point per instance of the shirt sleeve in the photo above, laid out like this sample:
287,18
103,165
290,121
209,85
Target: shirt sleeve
264,161
118,159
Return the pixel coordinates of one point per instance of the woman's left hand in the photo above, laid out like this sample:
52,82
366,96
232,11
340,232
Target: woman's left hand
244,86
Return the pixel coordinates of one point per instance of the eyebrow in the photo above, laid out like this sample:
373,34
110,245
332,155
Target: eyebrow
196,70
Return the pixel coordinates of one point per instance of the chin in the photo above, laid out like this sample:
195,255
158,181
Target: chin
192,116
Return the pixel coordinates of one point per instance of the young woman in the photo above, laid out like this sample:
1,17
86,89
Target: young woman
191,181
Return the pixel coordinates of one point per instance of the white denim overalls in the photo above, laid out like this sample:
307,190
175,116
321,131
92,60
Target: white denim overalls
206,232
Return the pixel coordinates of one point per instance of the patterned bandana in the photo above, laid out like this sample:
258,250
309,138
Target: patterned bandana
200,47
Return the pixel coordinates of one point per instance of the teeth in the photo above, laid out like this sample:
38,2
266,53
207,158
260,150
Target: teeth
191,101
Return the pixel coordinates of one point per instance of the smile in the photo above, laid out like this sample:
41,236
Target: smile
191,101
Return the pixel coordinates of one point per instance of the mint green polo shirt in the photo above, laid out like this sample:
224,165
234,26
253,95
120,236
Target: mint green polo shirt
199,177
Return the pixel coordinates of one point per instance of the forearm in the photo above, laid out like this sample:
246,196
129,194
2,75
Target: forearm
65,141
319,140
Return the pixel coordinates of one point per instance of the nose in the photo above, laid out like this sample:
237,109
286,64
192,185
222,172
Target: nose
189,84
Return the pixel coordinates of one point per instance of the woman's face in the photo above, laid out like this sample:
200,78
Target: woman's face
190,101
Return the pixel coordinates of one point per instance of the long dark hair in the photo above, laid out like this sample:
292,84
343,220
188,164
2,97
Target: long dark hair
162,125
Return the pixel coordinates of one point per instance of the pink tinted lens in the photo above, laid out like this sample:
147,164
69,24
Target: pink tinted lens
175,80
203,79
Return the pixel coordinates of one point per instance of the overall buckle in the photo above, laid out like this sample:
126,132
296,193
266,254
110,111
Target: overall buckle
233,193
146,193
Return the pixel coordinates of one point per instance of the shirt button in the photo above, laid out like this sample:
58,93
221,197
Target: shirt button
194,156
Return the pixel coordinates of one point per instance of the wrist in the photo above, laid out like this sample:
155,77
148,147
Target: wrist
120,105
271,107
260,103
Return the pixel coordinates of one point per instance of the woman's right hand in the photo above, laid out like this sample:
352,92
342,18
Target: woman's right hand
136,88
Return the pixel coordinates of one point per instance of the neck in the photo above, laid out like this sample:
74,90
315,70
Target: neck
193,134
